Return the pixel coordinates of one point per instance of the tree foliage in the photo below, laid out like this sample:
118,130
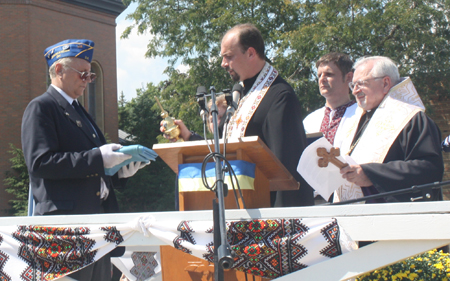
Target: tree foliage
17,182
151,188
415,34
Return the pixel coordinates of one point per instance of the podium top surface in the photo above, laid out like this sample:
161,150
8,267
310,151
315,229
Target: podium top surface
251,149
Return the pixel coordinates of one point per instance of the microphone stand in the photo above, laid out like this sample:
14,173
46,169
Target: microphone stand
424,188
202,104
224,259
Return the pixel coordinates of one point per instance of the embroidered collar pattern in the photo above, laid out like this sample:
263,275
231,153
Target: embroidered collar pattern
249,104
328,128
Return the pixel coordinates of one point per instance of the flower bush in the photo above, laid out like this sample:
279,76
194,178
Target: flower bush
432,265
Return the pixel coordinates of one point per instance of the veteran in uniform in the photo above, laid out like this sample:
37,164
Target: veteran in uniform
65,151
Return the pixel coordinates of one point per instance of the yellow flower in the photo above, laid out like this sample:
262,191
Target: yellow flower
438,266
412,266
413,276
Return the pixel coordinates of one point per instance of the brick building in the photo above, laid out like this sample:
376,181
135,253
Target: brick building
440,113
27,28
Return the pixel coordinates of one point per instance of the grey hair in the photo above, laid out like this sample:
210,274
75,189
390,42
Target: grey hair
64,61
383,66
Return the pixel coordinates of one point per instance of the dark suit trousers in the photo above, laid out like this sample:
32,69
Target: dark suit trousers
101,270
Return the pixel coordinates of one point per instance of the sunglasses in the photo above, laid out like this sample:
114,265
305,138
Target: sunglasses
85,75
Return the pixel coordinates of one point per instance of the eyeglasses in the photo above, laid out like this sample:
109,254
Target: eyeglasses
85,75
361,83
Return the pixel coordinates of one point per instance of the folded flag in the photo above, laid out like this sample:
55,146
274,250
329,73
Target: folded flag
138,152
190,176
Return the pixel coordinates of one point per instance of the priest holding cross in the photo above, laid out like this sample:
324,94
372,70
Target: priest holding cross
395,144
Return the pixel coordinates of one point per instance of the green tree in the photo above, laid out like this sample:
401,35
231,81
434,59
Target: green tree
413,33
152,188
121,110
17,182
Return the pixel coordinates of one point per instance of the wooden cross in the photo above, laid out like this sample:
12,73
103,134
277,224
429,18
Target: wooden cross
330,157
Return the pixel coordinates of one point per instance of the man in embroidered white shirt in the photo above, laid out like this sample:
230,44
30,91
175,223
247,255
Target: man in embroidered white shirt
334,72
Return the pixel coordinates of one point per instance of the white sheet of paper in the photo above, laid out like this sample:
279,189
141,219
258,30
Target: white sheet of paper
323,180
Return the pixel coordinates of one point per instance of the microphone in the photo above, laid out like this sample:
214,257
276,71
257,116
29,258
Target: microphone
237,94
201,92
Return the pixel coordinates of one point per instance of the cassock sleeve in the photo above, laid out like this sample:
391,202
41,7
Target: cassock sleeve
285,136
283,130
415,158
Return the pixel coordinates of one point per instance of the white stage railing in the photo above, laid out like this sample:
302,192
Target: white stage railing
402,229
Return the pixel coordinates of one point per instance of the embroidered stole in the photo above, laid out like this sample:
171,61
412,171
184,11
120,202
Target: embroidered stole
249,104
395,111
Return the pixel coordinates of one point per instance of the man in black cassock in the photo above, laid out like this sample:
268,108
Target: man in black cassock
269,108
395,143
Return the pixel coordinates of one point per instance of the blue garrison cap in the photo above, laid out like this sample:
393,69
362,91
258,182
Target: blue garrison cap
79,48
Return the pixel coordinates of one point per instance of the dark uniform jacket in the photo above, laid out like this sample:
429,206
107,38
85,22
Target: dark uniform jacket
63,163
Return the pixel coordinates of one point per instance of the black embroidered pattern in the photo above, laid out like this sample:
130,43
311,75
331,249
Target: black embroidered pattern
52,252
3,259
112,235
185,230
331,234
268,248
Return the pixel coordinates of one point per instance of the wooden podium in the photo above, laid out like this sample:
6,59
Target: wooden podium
270,175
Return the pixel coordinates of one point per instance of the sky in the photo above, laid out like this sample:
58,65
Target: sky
134,70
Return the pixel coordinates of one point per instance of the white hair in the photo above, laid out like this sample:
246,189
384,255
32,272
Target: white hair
383,66
64,61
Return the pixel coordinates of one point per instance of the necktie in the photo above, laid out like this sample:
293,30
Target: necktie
104,190
85,119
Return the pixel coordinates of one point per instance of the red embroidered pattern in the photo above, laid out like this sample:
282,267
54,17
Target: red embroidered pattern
268,248
328,128
3,259
52,252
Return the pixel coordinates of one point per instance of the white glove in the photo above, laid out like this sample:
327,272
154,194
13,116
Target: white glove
131,169
110,157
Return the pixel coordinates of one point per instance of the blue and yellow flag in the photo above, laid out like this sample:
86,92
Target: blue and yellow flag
190,176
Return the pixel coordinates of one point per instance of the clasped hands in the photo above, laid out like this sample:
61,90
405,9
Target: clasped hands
112,158
355,174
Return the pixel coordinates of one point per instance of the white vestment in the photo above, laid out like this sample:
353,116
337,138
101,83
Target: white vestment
395,111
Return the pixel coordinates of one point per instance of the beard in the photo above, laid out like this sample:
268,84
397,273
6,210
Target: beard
234,75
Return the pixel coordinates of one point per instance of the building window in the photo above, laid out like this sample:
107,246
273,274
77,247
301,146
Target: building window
93,99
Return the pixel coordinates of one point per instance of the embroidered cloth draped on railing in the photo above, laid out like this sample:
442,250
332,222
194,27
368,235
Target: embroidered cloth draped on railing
268,248
47,253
